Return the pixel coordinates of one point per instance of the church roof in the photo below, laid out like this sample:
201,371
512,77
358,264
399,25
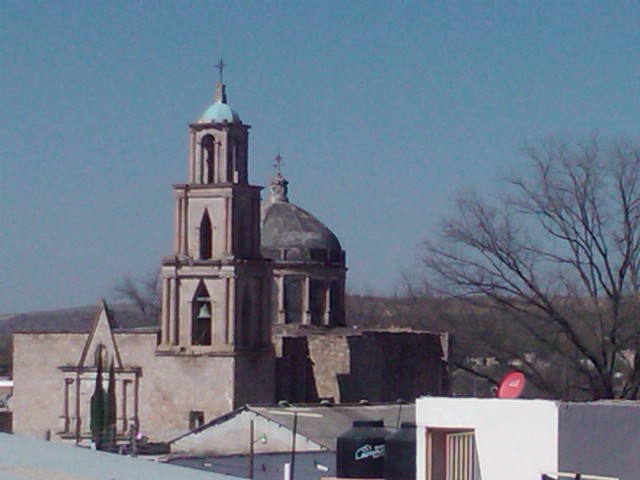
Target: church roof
220,111
291,233
286,225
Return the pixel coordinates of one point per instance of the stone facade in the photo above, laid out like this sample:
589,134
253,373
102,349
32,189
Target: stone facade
223,289
161,394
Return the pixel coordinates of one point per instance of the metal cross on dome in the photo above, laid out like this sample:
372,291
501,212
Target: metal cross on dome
220,66
278,164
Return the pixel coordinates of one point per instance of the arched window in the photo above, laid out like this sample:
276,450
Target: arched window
201,317
206,237
317,301
336,304
208,164
293,287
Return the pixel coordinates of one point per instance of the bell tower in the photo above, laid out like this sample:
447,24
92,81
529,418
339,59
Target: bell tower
215,286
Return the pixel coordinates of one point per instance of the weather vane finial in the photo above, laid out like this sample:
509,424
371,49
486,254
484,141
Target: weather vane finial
221,66
278,164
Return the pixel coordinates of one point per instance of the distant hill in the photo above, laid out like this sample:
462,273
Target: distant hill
72,320
67,320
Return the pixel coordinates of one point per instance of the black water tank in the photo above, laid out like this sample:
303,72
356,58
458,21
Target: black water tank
361,450
400,453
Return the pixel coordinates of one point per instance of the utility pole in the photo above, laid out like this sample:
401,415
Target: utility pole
251,449
294,432
293,444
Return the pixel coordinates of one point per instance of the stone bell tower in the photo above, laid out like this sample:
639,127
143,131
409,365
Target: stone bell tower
215,300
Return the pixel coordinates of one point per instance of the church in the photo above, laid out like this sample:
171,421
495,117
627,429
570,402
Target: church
252,312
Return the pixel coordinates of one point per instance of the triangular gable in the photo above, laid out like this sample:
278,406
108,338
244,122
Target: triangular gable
229,434
101,334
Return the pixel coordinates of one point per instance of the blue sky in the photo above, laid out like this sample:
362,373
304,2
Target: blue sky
382,111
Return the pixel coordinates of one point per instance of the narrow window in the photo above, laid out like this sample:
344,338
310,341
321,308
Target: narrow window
206,237
317,301
201,317
196,419
208,164
293,299
335,304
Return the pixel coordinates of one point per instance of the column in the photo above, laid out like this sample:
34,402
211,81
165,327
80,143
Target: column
192,157
306,301
67,394
231,311
164,329
228,239
327,303
173,310
280,310
185,223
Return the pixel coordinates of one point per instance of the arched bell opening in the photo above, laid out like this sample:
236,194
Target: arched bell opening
208,159
202,317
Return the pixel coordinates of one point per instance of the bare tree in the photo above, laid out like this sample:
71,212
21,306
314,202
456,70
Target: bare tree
142,292
550,269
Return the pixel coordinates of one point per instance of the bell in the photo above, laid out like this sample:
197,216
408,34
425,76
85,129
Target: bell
204,311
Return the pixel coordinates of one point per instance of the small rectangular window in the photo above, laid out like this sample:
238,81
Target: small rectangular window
452,455
196,419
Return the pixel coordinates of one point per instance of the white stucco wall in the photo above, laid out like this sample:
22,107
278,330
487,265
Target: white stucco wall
232,437
515,439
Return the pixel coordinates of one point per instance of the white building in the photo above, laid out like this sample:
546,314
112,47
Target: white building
497,439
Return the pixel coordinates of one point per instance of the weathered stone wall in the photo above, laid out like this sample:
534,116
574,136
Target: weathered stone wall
38,392
379,366
174,385
331,359
294,371
254,378
171,386
386,366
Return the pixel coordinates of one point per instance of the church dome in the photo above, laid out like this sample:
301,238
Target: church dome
291,233
220,111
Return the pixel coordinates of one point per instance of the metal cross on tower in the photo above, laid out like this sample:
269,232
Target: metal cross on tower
220,66
278,164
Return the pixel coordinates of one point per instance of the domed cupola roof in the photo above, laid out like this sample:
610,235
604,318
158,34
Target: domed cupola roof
220,111
291,233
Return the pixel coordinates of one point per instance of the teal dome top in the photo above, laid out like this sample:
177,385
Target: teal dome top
220,112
